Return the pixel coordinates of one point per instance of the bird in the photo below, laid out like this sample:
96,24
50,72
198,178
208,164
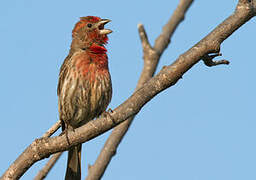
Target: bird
84,87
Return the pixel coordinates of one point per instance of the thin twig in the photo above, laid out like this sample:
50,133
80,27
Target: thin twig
48,166
53,129
208,60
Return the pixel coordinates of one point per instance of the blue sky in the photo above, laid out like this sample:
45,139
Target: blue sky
203,128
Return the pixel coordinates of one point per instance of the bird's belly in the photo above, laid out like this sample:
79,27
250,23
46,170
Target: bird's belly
85,99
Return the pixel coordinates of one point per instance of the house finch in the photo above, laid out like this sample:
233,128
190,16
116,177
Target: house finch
84,87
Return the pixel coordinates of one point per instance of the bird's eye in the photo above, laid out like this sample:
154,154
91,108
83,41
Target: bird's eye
89,25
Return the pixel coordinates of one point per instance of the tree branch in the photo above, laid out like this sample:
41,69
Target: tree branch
151,58
168,76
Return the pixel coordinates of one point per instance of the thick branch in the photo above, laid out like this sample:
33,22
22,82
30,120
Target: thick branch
151,58
168,76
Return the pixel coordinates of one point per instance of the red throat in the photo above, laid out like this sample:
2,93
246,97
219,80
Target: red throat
98,49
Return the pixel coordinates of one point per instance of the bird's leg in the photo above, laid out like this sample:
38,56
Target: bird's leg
66,132
65,128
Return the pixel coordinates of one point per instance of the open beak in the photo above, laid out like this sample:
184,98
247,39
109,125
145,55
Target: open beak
101,26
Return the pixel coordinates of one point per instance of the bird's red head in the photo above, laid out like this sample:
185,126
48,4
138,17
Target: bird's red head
90,29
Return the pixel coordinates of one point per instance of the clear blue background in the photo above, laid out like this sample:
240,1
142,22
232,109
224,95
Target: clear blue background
203,128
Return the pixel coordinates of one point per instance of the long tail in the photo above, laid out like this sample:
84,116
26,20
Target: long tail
73,171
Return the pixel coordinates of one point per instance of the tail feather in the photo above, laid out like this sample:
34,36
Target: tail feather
73,171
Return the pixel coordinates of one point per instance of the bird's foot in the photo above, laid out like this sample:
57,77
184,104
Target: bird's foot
66,130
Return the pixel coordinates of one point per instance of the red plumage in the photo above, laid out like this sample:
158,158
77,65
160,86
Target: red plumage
84,87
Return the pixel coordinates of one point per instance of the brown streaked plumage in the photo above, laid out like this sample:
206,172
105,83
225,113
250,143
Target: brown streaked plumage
84,87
